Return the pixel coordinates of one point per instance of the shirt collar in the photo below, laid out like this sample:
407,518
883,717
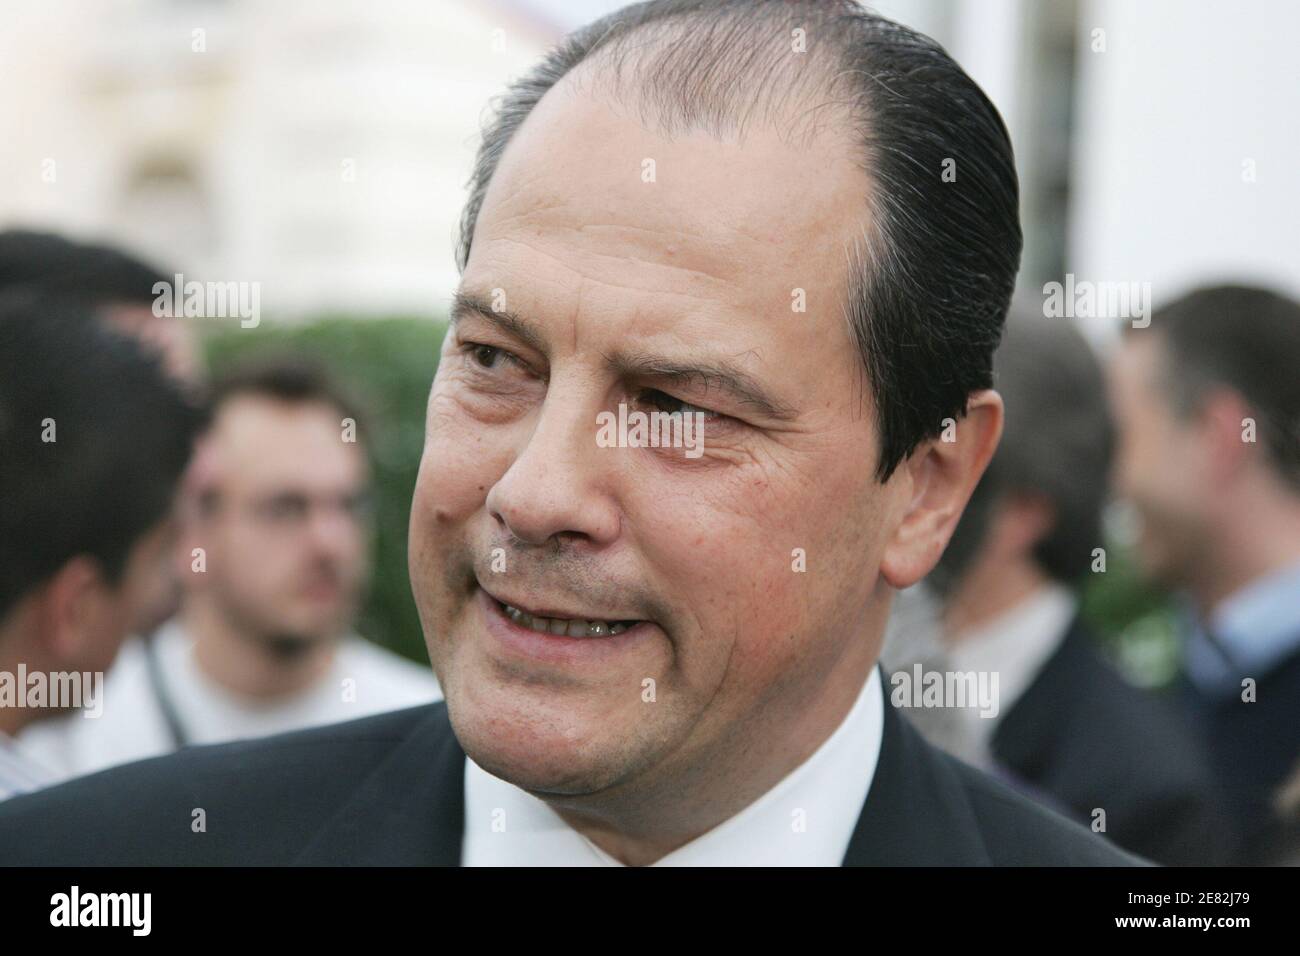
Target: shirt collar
807,819
1250,632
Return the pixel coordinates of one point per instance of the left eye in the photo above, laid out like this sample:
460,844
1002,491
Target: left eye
663,402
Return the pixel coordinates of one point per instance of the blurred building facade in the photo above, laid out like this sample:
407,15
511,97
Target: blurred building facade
322,148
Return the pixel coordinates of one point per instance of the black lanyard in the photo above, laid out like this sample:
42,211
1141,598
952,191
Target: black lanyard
175,726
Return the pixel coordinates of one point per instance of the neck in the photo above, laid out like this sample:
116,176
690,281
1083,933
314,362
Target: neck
17,646
1258,539
987,594
244,663
639,822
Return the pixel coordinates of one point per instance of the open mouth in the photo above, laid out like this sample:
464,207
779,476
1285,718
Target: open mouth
562,626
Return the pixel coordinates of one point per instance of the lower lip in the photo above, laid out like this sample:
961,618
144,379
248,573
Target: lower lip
556,648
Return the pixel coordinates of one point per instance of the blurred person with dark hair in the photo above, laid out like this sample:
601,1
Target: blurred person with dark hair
102,282
1068,728
1209,402
93,440
117,286
274,549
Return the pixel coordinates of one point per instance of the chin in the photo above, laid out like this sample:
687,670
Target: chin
536,743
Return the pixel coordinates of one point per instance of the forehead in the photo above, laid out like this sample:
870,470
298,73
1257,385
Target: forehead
261,440
585,195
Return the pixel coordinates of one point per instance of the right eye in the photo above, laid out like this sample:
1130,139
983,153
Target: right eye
488,356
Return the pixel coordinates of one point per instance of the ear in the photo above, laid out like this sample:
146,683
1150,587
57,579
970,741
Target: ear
935,482
73,607
1222,422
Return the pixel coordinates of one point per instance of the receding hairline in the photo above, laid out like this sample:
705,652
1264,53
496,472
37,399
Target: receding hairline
789,93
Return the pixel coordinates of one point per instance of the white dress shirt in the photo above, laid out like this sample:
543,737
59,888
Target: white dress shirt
362,679
1254,630
807,819
1015,645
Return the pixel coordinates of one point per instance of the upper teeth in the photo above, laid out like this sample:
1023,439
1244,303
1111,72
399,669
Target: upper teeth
565,626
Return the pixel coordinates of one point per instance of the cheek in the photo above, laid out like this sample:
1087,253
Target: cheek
1141,454
253,562
757,565
461,462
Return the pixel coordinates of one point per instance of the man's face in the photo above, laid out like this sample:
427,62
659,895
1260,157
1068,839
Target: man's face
620,280
286,540
1161,464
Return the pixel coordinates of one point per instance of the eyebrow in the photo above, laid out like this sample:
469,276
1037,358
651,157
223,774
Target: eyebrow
725,375
730,378
464,304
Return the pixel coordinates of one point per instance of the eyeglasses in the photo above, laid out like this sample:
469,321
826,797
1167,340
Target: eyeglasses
291,510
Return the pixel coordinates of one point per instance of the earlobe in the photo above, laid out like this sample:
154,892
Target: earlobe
1232,433
74,602
941,474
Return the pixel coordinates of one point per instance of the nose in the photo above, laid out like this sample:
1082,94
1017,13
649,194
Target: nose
555,487
334,529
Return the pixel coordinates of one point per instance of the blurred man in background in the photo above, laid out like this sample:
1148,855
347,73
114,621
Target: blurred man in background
94,437
1209,402
275,552
1068,727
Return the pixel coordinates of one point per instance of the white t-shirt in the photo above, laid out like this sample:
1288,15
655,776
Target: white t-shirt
363,679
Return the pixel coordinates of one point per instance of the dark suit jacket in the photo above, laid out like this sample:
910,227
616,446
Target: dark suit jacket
1253,748
1084,736
389,790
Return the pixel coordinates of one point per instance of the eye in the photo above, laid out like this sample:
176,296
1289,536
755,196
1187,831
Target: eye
663,402
490,358
487,355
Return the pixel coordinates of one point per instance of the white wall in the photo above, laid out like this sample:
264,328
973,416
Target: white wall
1187,92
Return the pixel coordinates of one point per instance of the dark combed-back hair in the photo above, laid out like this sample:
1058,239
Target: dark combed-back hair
122,436
934,270
1246,339
46,264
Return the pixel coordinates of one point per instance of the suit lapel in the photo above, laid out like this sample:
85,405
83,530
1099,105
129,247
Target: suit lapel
1026,734
409,811
916,812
